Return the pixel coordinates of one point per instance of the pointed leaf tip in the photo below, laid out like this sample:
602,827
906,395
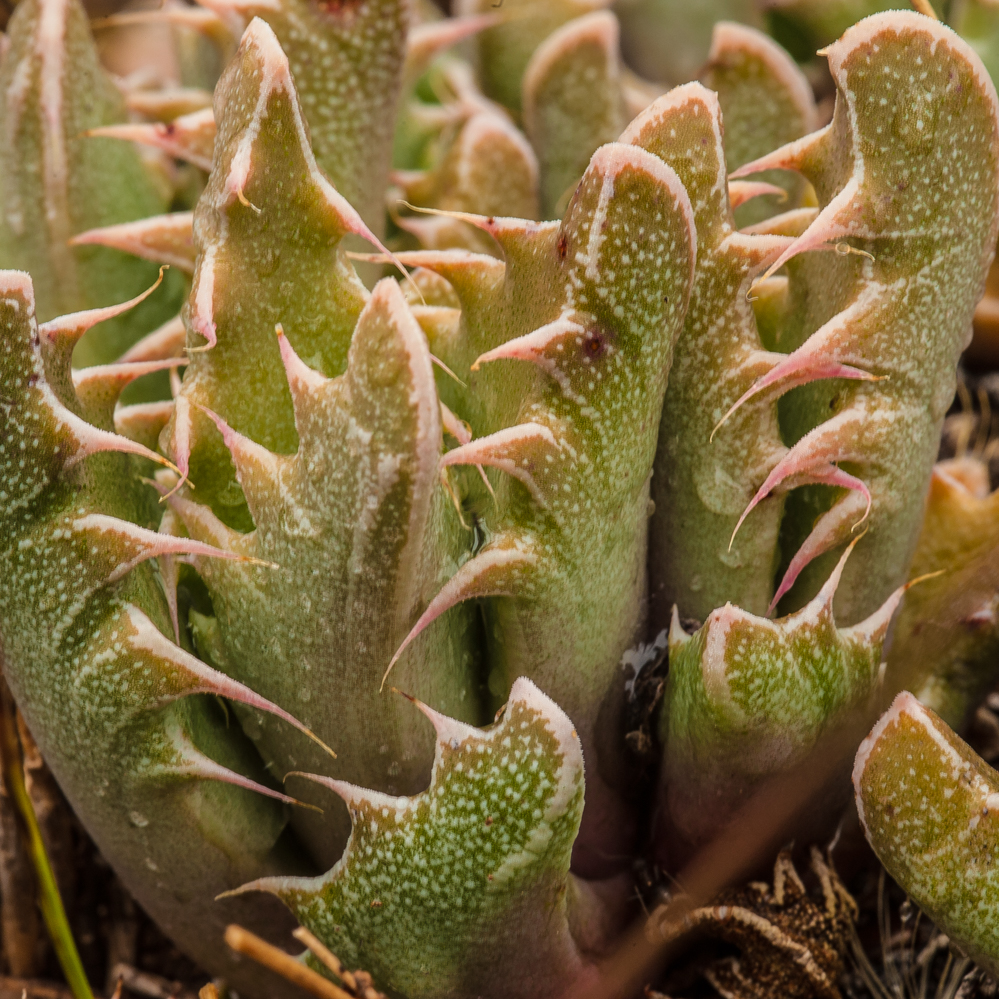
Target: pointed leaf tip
202,767
67,330
164,239
201,678
495,571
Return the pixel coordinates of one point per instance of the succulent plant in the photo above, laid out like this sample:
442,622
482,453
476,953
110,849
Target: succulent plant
582,397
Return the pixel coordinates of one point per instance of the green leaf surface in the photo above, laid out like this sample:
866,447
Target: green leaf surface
917,215
464,888
169,791
55,181
929,805
748,698
702,484
573,102
570,413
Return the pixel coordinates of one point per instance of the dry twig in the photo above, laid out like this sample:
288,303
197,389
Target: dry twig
358,983
32,988
144,983
244,942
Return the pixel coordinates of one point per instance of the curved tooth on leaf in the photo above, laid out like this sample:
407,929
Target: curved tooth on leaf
818,293
171,524
829,229
495,828
438,232
808,155
766,101
572,102
199,521
199,19
842,438
165,239
365,535
98,388
83,615
747,698
618,270
741,191
554,348
259,472
837,524
929,805
458,429
524,242
189,675
922,213
347,61
427,41
820,357
56,183
515,451
190,762
166,341
304,383
143,422
90,440
122,546
176,437
848,437
488,170
475,277
946,640
267,232
68,439
190,137
462,433
60,336
501,569
701,486
170,103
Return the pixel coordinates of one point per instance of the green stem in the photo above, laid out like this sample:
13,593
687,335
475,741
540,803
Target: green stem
53,911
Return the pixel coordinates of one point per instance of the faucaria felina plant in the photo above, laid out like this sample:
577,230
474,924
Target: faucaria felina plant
491,475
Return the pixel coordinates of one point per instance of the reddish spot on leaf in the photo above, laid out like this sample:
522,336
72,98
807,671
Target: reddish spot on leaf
595,345
339,8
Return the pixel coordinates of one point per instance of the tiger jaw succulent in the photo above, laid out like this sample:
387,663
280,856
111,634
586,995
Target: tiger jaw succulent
484,481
